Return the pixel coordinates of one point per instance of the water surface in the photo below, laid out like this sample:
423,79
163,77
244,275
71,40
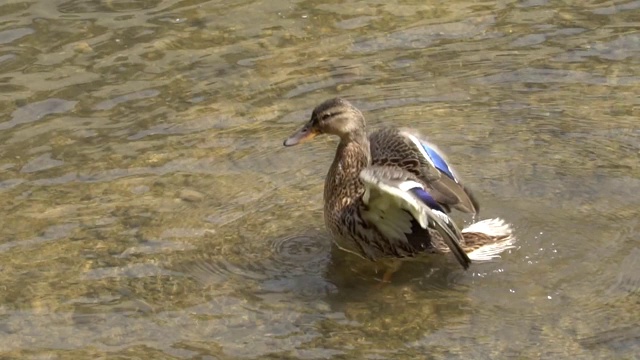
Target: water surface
148,209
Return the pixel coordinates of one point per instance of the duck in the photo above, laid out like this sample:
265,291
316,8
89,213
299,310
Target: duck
388,195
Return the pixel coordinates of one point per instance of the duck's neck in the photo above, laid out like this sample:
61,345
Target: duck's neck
343,182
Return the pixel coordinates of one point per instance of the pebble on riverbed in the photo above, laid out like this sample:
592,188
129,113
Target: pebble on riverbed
190,195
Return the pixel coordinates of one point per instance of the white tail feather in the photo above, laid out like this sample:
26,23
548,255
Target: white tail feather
494,228
491,227
491,251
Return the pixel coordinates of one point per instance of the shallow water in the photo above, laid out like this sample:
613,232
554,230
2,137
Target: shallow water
148,209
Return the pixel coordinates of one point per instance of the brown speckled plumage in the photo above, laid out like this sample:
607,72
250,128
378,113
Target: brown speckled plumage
387,148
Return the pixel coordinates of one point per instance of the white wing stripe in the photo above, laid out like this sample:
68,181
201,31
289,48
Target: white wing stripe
407,185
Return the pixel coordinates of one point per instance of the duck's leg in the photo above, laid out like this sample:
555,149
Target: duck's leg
391,265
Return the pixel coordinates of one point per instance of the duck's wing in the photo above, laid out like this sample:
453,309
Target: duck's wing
394,201
404,148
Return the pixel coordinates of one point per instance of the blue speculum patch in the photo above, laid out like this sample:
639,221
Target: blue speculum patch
438,161
427,198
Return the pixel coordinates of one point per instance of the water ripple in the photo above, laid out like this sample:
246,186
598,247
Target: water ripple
36,111
11,35
300,251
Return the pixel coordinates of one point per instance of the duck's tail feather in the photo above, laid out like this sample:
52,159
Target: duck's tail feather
496,235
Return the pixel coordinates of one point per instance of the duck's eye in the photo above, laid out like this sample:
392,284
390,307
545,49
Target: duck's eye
326,116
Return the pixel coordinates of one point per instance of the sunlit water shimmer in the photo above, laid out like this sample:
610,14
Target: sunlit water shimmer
149,211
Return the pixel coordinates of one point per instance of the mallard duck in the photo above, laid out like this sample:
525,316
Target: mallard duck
387,195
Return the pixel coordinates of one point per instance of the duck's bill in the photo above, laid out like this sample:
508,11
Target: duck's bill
302,135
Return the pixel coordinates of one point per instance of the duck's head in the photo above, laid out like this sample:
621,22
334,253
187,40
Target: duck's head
334,117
